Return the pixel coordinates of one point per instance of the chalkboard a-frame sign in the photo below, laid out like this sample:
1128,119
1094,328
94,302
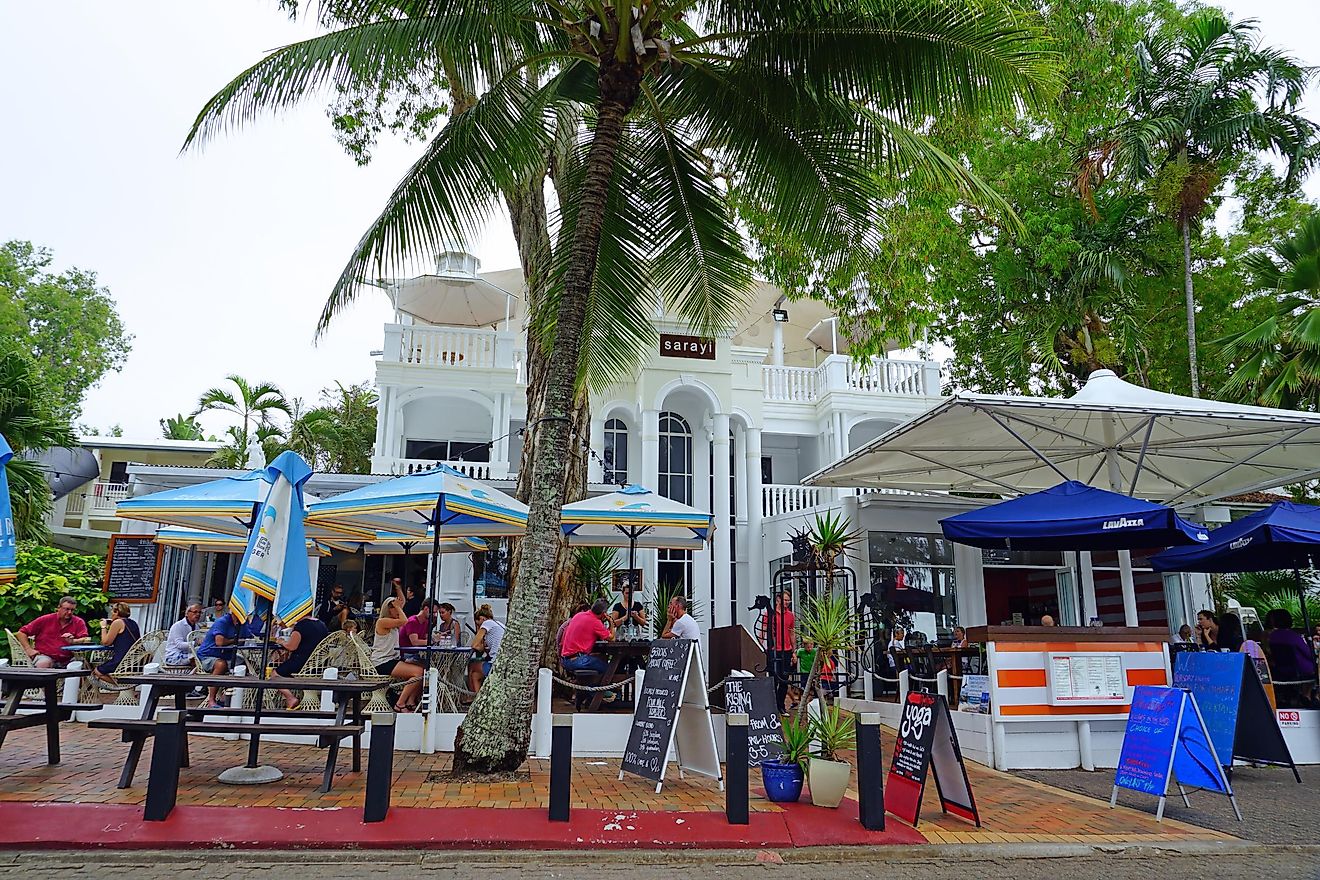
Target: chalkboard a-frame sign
672,711
132,568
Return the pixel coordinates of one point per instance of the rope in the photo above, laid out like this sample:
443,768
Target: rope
1304,681
572,685
719,684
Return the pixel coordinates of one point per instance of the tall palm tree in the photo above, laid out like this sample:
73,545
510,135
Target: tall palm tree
641,104
255,403
1206,93
1278,360
31,420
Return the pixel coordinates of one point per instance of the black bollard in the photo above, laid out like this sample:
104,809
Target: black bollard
870,773
735,768
163,783
561,766
380,767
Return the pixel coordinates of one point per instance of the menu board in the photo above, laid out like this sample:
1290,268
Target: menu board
1146,757
1086,679
756,698
657,708
927,742
132,568
1237,711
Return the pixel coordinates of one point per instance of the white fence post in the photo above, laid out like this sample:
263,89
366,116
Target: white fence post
328,697
70,694
541,720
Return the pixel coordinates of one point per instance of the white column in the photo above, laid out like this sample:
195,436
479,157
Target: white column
702,589
1124,556
650,463
756,570
595,470
777,345
1087,575
720,507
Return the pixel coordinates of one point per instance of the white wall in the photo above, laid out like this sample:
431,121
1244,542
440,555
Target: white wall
447,418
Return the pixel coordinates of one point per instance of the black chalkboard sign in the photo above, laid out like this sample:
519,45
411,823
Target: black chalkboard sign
132,568
927,742
756,698
657,708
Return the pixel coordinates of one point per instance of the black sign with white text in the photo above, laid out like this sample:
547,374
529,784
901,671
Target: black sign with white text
657,708
756,698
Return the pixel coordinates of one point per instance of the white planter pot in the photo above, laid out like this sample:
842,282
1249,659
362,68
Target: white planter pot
828,781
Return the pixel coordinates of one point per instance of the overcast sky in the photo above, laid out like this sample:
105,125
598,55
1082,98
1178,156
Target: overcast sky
220,260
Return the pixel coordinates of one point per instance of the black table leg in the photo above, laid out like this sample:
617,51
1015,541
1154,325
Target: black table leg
52,722
12,699
332,751
357,737
135,748
606,678
181,703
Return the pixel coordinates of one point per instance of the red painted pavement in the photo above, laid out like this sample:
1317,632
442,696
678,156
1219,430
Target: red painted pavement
120,826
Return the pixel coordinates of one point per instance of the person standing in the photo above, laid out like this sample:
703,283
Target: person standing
413,598
777,628
45,638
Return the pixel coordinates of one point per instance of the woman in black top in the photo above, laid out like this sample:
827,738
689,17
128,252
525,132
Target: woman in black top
118,633
307,634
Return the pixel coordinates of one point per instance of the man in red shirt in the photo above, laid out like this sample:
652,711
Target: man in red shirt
45,638
585,629
776,629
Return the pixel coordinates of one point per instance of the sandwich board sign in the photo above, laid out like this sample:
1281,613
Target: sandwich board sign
927,742
1237,712
1166,740
756,698
672,713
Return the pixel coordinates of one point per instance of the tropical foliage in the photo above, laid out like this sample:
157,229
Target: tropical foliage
45,575
181,427
64,321
1267,590
829,623
32,420
595,571
834,732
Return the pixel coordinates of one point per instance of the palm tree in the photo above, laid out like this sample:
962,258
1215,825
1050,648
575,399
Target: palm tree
31,421
1278,360
1207,93
641,106
181,427
254,403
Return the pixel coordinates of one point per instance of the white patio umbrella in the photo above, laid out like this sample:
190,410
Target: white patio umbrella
455,295
1148,444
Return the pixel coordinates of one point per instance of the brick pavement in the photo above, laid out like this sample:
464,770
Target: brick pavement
1013,810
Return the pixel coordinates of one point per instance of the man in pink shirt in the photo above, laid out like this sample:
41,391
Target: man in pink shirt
45,638
585,629
413,633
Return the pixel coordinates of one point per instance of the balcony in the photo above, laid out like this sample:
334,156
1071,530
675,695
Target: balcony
457,348
842,374
96,500
777,499
477,470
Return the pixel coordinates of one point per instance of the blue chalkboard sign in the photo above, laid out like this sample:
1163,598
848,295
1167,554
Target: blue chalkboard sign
1216,680
1166,740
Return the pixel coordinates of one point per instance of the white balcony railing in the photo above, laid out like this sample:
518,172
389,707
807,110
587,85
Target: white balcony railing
477,470
96,500
448,347
842,373
781,499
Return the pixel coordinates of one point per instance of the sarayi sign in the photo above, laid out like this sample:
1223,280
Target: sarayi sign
701,348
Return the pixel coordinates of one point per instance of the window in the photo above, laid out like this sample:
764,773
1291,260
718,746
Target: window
913,572
616,452
446,450
674,481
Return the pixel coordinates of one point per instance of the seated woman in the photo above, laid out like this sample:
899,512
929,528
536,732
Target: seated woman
118,633
1291,657
485,645
300,643
385,652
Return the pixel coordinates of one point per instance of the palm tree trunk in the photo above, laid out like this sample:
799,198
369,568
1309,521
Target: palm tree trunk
495,735
1190,296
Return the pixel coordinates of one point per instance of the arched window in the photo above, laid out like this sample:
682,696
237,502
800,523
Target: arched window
615,453
674,476
674,481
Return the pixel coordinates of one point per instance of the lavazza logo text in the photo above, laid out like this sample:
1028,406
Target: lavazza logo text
1240,543
1122,523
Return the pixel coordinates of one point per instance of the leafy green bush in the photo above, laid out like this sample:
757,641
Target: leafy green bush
45,575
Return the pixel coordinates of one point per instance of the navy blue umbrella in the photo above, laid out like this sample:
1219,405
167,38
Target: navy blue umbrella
1072,516
1283,535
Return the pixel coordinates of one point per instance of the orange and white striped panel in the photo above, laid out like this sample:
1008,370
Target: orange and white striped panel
1019,683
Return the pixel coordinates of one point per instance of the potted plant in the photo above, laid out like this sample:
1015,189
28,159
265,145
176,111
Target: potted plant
830,625
783,778
834,731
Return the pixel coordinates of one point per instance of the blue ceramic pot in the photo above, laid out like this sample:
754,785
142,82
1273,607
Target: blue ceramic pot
783,782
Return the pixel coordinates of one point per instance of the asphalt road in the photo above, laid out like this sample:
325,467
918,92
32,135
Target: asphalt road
1275,809
907,863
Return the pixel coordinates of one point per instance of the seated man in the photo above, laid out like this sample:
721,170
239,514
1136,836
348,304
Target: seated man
216,653
45,638
307,634
178,649
413,633
584,630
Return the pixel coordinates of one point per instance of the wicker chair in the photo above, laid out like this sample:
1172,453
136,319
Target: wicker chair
19,657
145,650
336,650
364,670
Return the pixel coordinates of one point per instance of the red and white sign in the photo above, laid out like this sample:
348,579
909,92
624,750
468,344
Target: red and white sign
1289,718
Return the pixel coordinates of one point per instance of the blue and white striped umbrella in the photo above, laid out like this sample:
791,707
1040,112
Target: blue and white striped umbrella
274,567
636,517
8,534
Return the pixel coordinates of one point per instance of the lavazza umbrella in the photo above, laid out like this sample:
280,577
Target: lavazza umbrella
1148,444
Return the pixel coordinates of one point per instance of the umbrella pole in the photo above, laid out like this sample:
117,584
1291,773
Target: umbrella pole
1301,597
434,581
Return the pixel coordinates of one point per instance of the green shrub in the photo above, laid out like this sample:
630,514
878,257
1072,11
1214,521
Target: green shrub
45,575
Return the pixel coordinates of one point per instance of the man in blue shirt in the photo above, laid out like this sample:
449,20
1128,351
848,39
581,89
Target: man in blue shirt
216,652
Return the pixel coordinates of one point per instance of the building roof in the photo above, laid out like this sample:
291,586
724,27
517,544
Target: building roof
154,444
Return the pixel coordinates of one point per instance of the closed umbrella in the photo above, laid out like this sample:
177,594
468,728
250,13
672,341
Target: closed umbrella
8,534
1283,535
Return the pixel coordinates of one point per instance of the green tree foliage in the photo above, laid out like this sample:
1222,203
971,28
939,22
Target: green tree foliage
639,97
64,322
45,575
256,405
338,436
181,427
32,421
